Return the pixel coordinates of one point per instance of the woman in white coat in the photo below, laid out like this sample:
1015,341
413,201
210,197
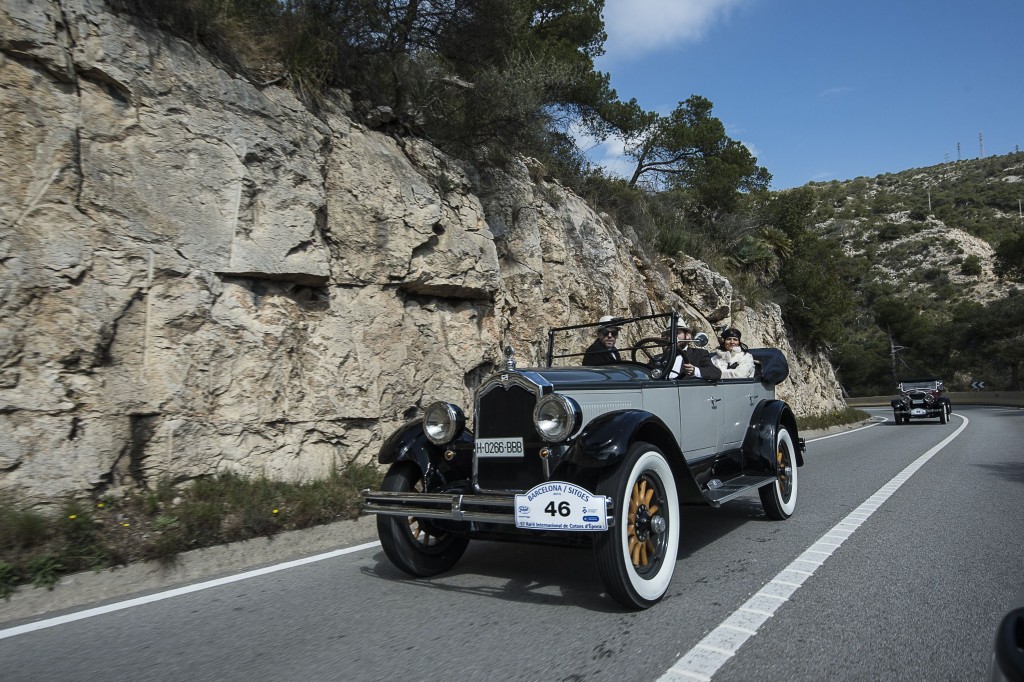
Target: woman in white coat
732,356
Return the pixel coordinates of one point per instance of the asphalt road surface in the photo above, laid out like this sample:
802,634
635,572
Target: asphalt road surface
906,548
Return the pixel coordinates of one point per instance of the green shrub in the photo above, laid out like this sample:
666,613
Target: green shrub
971,266
22,529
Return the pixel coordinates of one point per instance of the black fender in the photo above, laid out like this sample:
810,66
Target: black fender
410,444
759,455
606,439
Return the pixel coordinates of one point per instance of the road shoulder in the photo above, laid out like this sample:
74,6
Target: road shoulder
93,588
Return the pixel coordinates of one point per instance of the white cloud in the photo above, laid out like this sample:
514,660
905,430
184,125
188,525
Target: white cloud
609,154
638,27
835,92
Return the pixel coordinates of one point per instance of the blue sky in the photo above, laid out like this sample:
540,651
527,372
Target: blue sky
826,90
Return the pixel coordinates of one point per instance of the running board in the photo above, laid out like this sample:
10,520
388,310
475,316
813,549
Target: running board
734,488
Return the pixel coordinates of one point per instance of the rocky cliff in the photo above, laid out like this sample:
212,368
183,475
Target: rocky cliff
199,274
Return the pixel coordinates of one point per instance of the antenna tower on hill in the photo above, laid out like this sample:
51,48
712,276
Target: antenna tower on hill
957,151
981,145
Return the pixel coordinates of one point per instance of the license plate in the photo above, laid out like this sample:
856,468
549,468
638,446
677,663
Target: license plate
499,447
557,505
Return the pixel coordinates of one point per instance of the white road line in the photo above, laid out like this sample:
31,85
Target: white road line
711,653
843,433
159,596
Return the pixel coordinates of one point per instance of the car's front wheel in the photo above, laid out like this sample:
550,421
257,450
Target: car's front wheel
943,415
415,545
636,557
779,497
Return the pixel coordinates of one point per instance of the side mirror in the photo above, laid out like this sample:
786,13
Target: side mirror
700,340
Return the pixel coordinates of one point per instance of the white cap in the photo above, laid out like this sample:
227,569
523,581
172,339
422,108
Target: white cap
609,322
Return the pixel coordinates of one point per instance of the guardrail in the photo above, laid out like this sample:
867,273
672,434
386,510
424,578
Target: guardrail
1000,398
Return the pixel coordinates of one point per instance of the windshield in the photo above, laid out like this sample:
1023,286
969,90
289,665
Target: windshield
638,337
932,385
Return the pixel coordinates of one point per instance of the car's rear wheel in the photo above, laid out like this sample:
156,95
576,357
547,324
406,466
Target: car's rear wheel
636,557
779,497
415,545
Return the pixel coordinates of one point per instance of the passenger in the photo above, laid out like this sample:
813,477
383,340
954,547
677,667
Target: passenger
690,362
603,350
732,356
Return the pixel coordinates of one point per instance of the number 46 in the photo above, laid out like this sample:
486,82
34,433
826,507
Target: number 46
562,510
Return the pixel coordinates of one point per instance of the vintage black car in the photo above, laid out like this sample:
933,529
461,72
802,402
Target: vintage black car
921,399
603,456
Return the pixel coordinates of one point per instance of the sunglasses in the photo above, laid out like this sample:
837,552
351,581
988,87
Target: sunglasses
609,332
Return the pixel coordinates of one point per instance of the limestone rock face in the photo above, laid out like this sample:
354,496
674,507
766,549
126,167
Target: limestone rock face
199,275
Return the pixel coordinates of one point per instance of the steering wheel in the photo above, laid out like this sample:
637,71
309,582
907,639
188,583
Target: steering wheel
647,349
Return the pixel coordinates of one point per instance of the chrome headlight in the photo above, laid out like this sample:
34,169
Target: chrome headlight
442,422
557,417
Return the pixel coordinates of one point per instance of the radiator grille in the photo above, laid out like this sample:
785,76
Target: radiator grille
508,413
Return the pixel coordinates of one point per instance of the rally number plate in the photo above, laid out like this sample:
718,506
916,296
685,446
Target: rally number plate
557,505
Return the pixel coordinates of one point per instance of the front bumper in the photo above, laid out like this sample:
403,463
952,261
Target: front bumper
497,509
452,506
920,412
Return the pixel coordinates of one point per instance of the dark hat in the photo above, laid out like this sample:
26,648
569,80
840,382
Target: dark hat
731,332
681,327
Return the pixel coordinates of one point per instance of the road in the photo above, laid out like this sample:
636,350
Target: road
884,572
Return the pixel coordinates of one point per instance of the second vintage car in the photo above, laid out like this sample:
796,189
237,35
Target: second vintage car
921,399
605,456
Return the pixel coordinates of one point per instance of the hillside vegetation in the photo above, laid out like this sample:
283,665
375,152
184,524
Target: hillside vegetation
933,256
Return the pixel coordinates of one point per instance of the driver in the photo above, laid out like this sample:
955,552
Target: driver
690,362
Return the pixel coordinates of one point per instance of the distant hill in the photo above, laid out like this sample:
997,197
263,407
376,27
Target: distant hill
920,245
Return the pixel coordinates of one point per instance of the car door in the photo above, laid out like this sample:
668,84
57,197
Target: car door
689,408
739,397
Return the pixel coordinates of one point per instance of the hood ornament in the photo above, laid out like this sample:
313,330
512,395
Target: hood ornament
510,359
